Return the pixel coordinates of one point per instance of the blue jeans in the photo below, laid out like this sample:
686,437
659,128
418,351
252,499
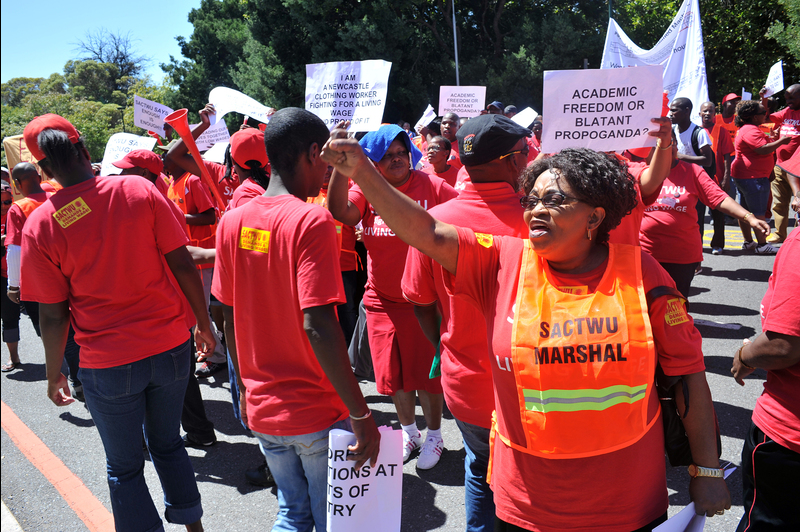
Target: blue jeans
478,496
754,194
299,465
146,393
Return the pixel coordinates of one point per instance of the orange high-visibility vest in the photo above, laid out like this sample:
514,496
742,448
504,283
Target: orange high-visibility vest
584,362
27,205
177,193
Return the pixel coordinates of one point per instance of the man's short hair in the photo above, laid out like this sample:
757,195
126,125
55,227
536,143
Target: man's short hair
683,103
289,134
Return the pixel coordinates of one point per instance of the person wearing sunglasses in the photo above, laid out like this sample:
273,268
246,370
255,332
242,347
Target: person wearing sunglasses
573,347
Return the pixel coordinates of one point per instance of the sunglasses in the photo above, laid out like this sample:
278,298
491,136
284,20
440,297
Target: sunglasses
554,199
8,202
523,151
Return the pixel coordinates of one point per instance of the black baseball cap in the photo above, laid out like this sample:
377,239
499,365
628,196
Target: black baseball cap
487,137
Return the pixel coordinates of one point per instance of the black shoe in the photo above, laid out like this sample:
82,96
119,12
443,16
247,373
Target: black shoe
260,476
208,369
191,441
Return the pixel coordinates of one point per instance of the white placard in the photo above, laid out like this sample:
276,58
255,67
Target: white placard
213,135
774,83
348,90
149,115
426,118
359,500
604,110
680,51
525,117
216,153
118,146
746,95
227,100
466,101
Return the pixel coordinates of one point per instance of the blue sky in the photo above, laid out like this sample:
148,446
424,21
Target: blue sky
39,36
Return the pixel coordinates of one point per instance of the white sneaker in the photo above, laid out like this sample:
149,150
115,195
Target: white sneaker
716,251
431,452
411,444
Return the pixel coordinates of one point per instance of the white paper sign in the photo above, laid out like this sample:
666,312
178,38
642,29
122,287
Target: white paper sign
118,146
426,118
213,135
348,90
466,101
603,110
774,82
216,153
680,51
149,115
746,95
525,117
227,100
370,499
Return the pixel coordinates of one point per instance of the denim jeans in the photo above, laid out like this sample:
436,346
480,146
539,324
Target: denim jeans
478,496
299,465
146,393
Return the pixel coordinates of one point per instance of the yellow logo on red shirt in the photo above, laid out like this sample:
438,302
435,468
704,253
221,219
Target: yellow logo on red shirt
484,239
575,290
675,313
254,240
71,212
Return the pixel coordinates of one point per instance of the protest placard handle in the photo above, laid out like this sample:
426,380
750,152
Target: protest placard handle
179,121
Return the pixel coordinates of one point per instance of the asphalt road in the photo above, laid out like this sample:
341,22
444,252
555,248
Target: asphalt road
725,302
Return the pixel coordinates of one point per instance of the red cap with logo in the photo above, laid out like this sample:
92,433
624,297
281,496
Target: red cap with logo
141,159
41,123
248,145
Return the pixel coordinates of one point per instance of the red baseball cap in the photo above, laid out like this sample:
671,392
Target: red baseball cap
248,145
141,159
731,96
41,123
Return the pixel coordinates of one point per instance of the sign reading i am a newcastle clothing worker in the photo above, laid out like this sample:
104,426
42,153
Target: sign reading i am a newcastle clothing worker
604,110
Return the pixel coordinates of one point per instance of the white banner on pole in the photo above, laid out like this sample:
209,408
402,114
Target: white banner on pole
149,115
359,500
426,118
680,51
227,100
603,110
774,83
213,135
348,90
465,101
118,146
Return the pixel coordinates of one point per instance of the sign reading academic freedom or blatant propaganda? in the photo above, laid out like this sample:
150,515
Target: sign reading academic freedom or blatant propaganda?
348,90
466,102
604,110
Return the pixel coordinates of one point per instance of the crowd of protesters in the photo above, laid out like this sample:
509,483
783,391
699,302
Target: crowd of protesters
536,295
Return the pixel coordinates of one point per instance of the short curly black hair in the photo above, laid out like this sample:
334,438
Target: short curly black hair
595,178
746,111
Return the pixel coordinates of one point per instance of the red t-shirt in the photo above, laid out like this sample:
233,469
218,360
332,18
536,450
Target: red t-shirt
722,145
534,148
293,247
450,175
198,199
462,178
491,208
777,411
16,220
789,122
669,227
247,191
627,232
386,253
748,164
622,490
100,245
226,187
454,159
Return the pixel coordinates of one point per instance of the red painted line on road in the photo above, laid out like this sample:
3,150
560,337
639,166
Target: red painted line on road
82,501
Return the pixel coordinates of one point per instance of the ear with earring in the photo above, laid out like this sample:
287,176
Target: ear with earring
589,233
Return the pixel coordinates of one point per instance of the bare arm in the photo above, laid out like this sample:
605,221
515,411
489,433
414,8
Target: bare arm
770,147
207,217
338,203
179,153
430,321
408,220
706,159
709,495
770,350
327,341
794,183
661,162
182,266
202,255
54,324
731,208
230,341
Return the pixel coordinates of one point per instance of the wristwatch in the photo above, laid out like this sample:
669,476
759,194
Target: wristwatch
698,471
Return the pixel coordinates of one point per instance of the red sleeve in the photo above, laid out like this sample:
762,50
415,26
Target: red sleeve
752,137
678,343
169,233
777,118
708,190
222,283
418,285
41,279
476,271
319,281
780,308
445,192
357,198
200,194
14,222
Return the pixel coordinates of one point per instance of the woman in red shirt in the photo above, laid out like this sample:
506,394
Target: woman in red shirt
438,152
752,167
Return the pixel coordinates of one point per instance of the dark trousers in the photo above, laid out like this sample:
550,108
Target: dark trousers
193,415
770,474
682,274
10,314
348,312
718,219
72,358
502,526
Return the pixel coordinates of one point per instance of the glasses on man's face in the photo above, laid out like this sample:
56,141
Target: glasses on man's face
8,202
554,199
523,151
403,154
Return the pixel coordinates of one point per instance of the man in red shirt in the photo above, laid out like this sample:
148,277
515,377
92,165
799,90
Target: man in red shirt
295,381
725,118
449,127
489,204
722,147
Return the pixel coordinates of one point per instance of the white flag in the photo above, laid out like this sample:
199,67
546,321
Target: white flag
774,83
680,50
